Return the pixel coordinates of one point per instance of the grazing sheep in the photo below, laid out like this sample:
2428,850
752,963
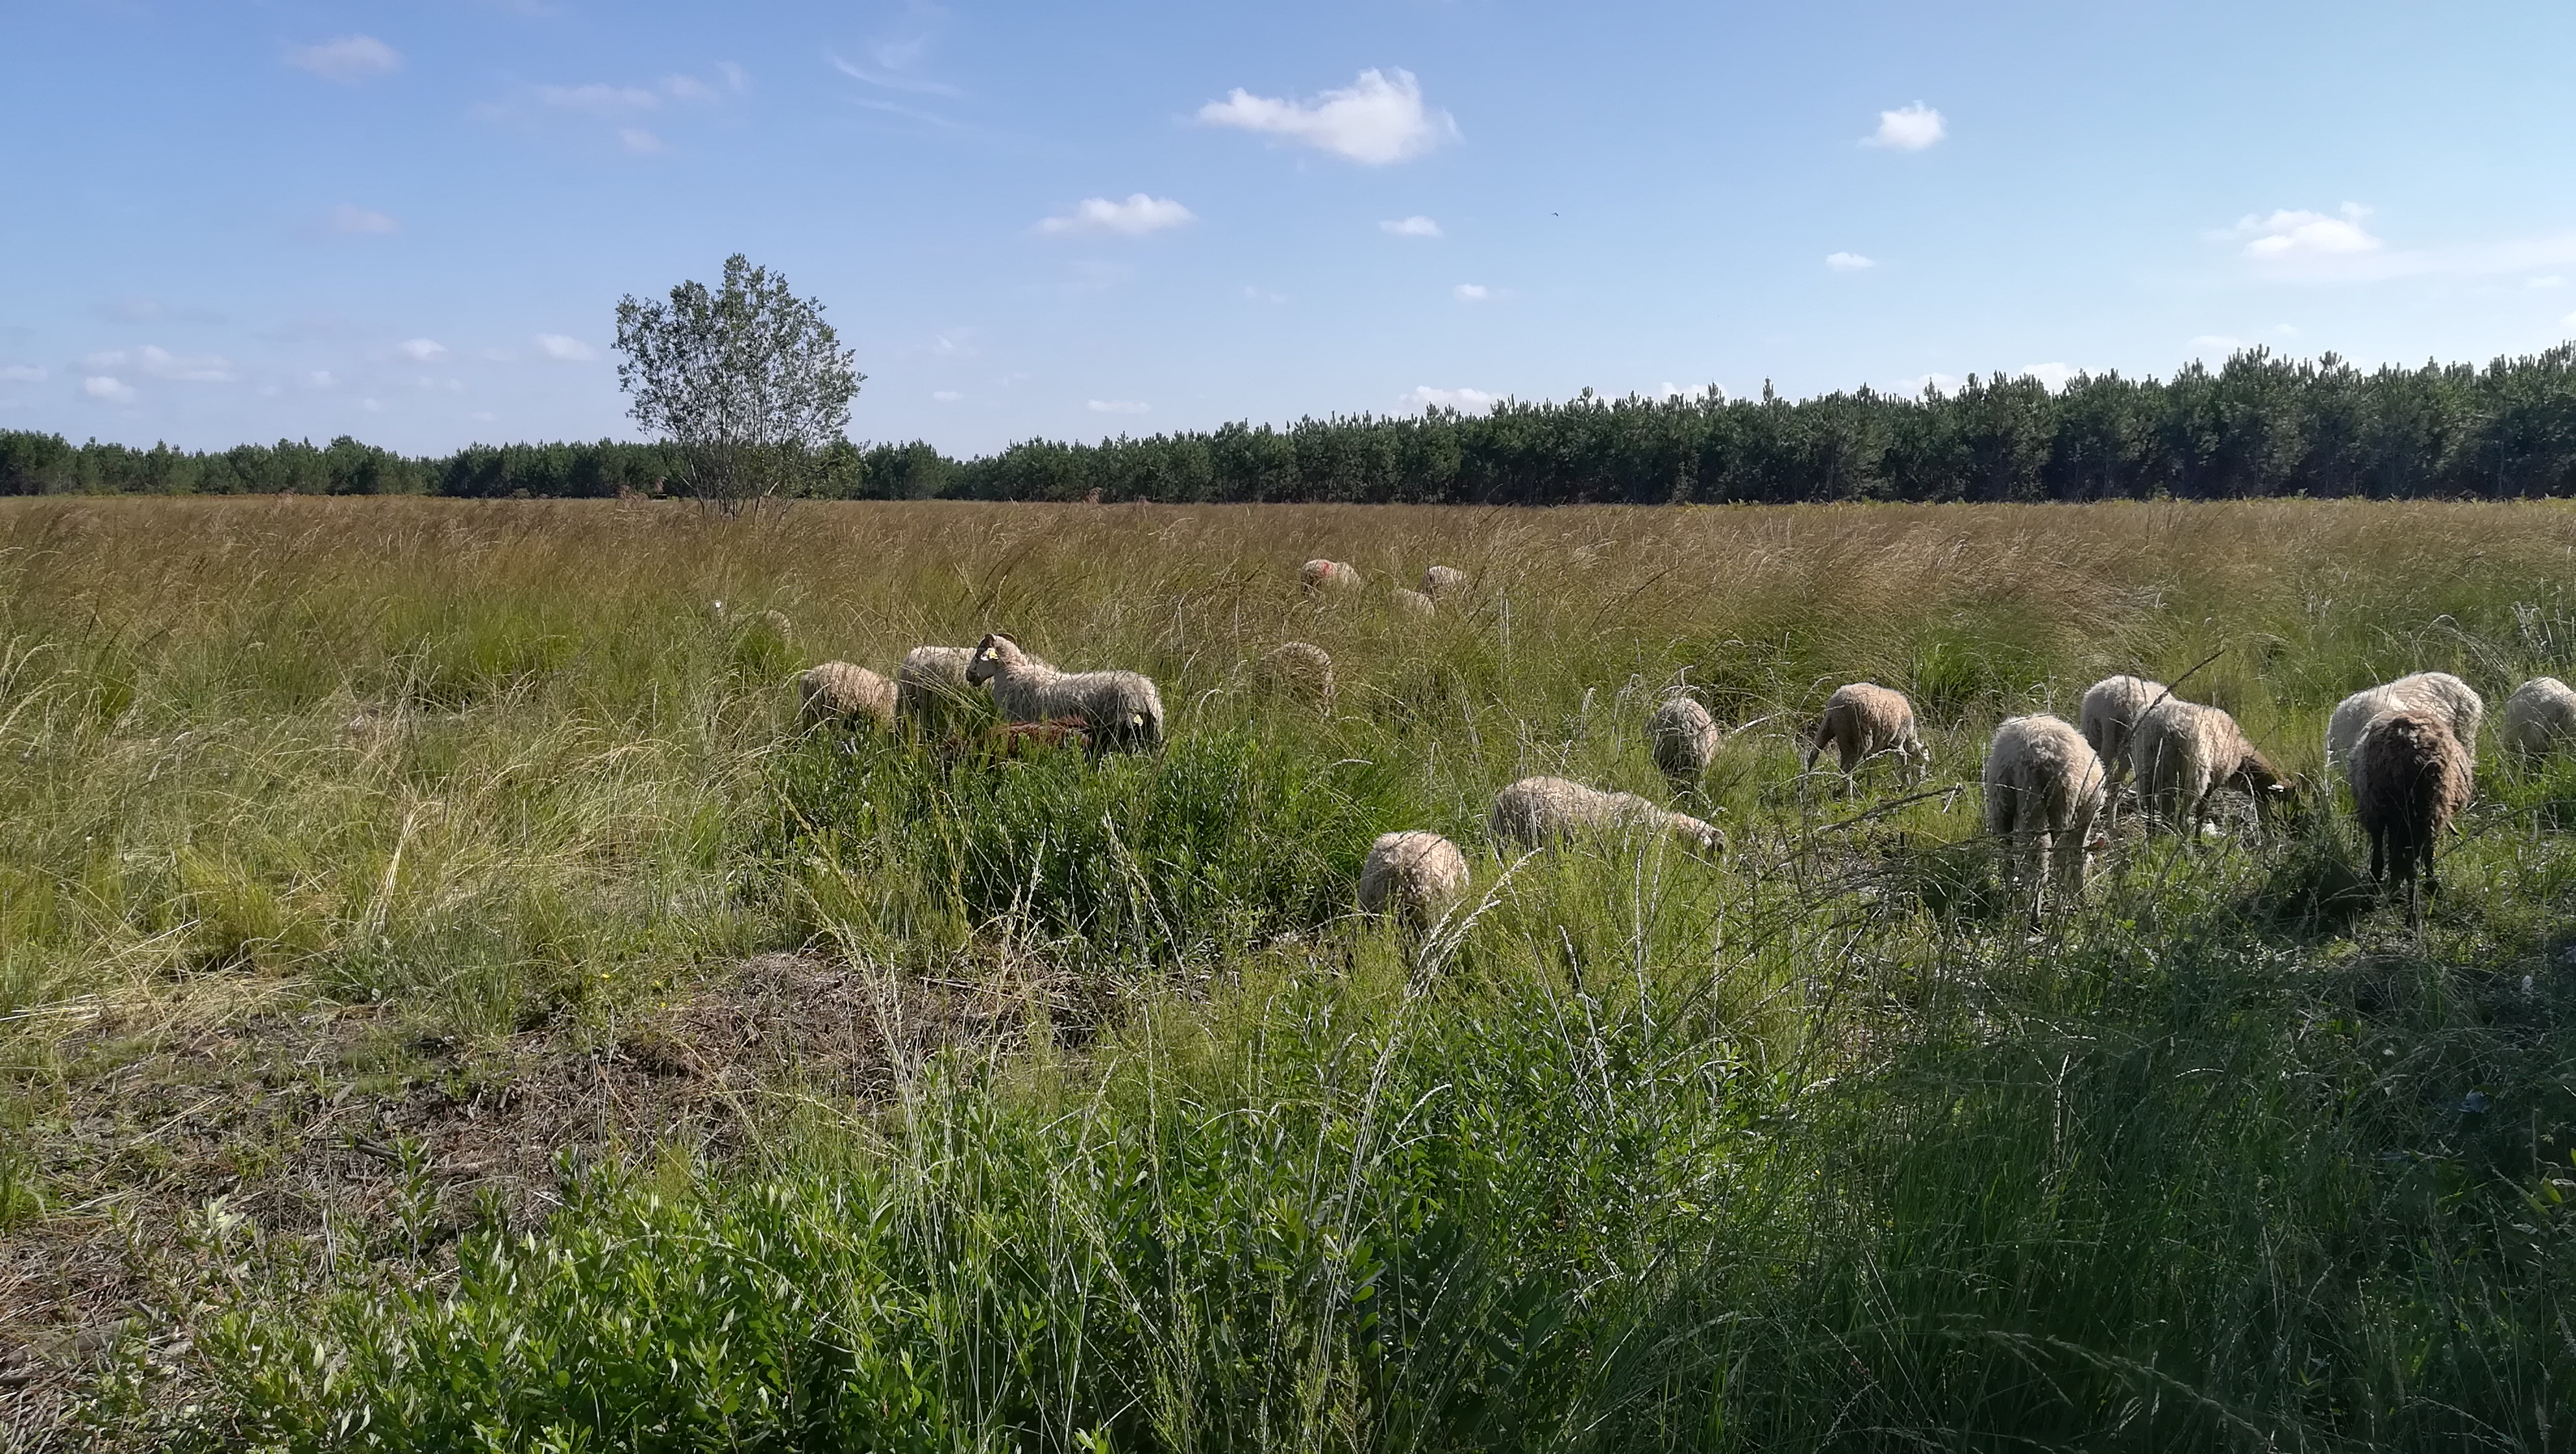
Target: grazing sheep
2182,753
1122,709
2044,787
1862,720
1685,738
1417,875
1440,580
1411,603
843,695
2540,713
1540,810
2448,697
2410,777
1318,576
1298,669
931,681
2111,710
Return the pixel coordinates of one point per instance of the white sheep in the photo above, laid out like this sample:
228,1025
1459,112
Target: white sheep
1339,577
1684,738
1121,709
1537,811
1417,875
2044,787
1440,580
2182,753
843,695
1298,669
1864,719
1411,603
2111,710
2539,715
2446,696
931,681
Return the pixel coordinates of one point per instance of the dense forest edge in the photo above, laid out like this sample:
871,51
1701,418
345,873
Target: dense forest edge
2261,425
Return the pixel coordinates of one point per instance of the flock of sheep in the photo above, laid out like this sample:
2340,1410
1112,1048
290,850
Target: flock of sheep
2407,749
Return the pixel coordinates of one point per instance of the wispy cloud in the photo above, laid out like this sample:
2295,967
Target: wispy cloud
1472,293
1254,293
2297,245
109,388
1376,120
1849,262
1135,217
1423,396
564,348
1411,227
161,363
421,350
23,374
348,60
946,396
1908,128
892,71
351,220
639,141
2294,236
1116,406
598,99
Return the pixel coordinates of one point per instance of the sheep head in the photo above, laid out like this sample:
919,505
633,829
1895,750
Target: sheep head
993,653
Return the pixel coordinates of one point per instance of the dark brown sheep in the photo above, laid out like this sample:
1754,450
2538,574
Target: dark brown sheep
2410,778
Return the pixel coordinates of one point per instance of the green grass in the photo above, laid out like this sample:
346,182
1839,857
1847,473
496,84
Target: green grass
1818,1143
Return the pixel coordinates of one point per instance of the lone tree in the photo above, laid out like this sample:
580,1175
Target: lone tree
748,381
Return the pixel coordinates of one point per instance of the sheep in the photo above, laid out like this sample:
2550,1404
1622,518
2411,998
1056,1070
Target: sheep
1318,576
2410,777
1417,875
2181,753
1537,811
1411,603
1864,719
1299,669
931,680
2044,787
843,695
2111,710
2540,713
1684,738
2449,698
1440,580
1121,708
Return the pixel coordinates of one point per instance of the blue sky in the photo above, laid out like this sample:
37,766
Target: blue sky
412,221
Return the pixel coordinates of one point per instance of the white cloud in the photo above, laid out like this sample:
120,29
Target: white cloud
565,348
946,396
1423,396
1411,227
101,386
2550,281
2291,236
1849,262
421,350
352,220
599,99
1672,390
1375,120
348,60
2052,376
733,75
23,374
688,88
1116,406
319,379
638,140
1472,293
893,62
1926,383
1135,217
1254,294
1908,128
372,406
161,363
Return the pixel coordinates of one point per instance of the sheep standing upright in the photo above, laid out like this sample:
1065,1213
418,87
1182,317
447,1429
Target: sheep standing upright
2111,710
2452,700
1684,738
1318,577
842,695
2538,717
2044,788
1864,719
1440,580
1121,709
1417,875
2181,753
931,683
1537,811
2410,777
1298,669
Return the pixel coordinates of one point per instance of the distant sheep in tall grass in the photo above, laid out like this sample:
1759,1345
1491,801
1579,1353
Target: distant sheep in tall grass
2181,753
2044,788
1121,709
1412,604
1537,811
2452,700
2111,710
2539,717
1440,580
1684,739
1863,720
1299,669
1318,577
842,695
2410,777
1416,876
931,683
